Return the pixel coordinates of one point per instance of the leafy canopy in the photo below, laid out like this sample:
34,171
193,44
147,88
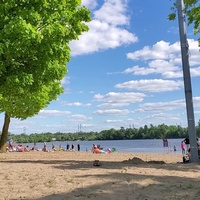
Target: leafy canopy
192,11
34,50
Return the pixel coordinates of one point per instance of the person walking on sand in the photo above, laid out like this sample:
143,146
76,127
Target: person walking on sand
183,147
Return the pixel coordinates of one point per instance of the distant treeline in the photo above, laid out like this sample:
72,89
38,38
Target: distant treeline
146,132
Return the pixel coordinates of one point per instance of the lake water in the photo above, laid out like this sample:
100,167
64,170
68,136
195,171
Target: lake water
137,146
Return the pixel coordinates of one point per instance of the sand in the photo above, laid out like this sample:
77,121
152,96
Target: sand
121,176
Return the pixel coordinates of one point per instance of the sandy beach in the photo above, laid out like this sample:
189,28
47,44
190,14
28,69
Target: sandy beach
121,176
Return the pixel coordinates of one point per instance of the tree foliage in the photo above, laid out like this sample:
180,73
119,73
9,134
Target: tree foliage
147,132
192,11
34,50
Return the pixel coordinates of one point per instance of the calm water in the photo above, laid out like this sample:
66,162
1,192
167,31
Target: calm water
138,146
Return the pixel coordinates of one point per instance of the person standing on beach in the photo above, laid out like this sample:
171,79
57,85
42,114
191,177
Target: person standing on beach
165,145
187,143
183,147
67,147
78,147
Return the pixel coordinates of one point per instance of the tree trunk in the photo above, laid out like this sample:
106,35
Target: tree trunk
4,135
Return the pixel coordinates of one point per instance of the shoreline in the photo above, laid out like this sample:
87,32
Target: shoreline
123,146
168,157
71,175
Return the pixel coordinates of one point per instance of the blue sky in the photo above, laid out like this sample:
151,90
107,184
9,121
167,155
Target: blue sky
126,71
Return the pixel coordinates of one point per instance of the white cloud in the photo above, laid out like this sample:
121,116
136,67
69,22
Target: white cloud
113,12
156,119
160,50
113,99
157,66
79,118
167,106
172,74
48,113
120,97
86,125
104,30
195,71
112,112
163,50
113,121
77,104
165,59
162,106
152,85
90,4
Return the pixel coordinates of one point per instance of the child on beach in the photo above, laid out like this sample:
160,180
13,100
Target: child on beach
183,147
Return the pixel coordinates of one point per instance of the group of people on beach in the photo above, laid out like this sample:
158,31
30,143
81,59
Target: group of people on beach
185,145
20,148
17,148
97,149
67,147
185,148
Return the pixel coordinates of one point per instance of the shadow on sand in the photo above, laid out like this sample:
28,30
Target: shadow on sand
124,184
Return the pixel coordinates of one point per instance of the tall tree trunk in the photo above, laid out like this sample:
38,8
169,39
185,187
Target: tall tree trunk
4,135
